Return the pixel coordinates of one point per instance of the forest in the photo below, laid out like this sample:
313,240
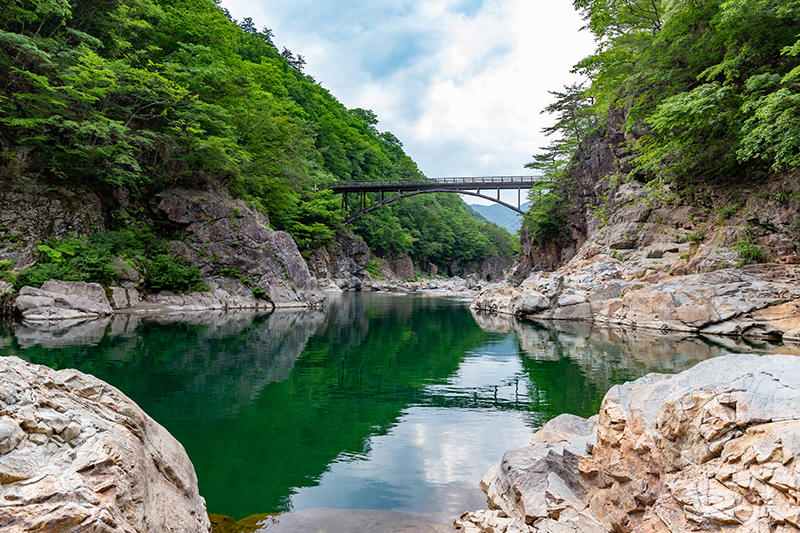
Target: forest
707,90
143,95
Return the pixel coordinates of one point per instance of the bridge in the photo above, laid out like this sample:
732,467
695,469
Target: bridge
471,186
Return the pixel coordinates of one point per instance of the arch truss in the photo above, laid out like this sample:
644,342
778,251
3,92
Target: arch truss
400,189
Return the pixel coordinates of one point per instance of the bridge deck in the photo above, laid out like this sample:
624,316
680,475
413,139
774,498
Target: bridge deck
455,183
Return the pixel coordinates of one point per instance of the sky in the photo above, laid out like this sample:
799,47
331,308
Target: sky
461,83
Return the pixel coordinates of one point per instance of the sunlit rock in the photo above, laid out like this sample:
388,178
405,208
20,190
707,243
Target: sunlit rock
716,447
78,455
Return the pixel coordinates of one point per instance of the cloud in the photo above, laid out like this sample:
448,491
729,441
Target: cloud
461,82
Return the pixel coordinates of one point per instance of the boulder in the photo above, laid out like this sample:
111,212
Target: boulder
125,271
62,300
124,298
77,454
402,267
716,448
657,251
224,236
346,259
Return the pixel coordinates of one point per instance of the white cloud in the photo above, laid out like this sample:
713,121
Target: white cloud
462,88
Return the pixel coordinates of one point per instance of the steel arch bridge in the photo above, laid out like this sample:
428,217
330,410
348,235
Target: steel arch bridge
399,189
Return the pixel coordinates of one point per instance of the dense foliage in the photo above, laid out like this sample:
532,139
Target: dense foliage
109,257
146,94
708,88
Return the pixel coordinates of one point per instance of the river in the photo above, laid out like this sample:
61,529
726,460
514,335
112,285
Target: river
378,413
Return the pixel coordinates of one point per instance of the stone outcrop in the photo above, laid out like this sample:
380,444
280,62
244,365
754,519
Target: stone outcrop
344,263
78,455
31,212
224,294
402,267
492,268
63,300
454,287
757,300
223,236
714,448
665,257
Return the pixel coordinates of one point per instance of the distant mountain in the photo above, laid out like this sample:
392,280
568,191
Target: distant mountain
502,216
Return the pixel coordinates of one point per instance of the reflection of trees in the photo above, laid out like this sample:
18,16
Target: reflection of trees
197,365
258,418
573,364
368,362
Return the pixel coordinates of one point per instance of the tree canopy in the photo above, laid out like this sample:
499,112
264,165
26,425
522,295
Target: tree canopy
148,94
709,89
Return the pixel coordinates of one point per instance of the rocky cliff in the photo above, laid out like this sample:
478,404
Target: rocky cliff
243,262
77,455
698,256
343,263
714,448
221,235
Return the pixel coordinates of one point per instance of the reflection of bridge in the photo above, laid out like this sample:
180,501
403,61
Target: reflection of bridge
471,186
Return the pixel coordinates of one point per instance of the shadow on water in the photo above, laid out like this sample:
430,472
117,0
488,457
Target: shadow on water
390,408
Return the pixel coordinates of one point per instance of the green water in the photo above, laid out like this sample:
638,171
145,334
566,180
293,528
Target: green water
379,402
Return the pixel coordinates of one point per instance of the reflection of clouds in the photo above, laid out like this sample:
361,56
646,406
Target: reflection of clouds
429,450
467,442
433,456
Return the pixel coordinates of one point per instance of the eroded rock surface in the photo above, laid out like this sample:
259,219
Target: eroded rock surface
714,448
454,287
343,263
670,260
78,455
224,236
757,300
32,211
63,300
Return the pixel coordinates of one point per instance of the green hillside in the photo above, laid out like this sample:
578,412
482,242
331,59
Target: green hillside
143,95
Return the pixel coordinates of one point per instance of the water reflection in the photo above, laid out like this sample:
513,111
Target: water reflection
380,402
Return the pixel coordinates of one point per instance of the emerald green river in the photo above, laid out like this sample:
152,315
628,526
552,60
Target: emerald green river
377,402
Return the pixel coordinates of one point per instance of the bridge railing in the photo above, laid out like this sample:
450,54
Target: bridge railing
465,180
481,180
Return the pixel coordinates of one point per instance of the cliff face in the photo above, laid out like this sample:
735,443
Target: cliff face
31,212
221,235
243,261
667,257
601,155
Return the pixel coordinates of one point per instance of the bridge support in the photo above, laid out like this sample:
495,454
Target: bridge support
471,186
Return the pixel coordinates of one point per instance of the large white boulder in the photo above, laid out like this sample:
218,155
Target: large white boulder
76,454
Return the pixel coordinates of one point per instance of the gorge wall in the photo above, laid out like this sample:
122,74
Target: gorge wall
703,255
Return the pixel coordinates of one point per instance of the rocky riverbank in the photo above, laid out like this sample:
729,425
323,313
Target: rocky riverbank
712,448
754,301
77,454
716,261
455,287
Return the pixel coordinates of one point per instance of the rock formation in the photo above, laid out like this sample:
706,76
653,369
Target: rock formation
31,212
63,300
757,300
714,448
78,455
344,263
225,236
669,257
